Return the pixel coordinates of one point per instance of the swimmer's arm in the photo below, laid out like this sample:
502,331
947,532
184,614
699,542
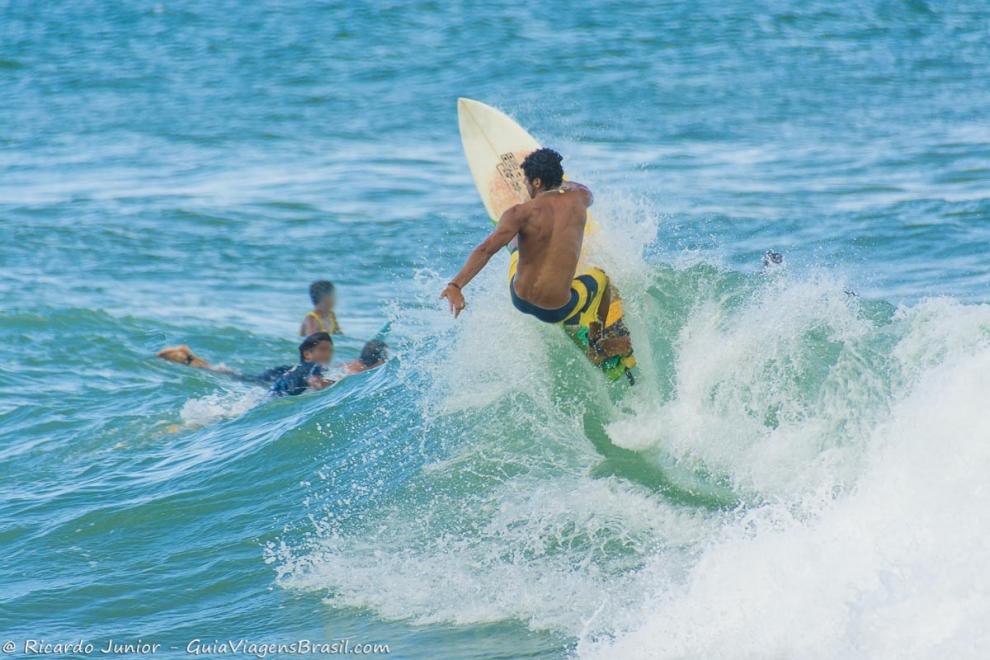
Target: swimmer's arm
318,382
308,326
183,355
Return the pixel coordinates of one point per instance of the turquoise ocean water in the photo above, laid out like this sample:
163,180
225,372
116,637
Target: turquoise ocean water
799,473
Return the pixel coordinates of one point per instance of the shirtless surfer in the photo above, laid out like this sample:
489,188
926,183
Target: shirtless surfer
544,277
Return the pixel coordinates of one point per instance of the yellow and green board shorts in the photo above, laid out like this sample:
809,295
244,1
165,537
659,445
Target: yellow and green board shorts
587,289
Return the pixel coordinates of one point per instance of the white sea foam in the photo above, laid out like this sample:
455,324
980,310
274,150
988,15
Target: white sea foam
212,408
896,568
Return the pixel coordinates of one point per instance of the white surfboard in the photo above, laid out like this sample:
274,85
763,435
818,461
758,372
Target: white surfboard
495,146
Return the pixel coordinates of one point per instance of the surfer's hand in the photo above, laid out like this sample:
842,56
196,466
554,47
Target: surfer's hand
455,298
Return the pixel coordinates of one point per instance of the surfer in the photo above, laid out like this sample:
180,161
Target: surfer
544,278
322,317
315,354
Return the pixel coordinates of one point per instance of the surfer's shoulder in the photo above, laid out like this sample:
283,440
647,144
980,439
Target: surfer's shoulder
516,213
583,191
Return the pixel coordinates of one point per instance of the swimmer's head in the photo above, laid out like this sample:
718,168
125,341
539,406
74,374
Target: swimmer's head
323,294
543,170
374,353
318,347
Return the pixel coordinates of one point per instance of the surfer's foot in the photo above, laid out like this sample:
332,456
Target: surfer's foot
181,354
612,346
605,340
605,343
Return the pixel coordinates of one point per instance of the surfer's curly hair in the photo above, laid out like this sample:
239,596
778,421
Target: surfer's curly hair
544,164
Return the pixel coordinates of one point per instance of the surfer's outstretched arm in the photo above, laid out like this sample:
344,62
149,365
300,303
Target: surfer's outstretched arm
506,229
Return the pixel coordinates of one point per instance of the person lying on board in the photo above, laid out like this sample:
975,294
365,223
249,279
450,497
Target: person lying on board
543,272
315,354
374,354
322,317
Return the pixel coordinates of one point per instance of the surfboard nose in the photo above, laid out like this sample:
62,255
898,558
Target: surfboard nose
464,104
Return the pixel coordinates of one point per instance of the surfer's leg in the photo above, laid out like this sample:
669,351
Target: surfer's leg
607,334
605,303
598,348
589,285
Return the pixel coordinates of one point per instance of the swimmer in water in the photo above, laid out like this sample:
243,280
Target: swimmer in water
315,354
322,318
